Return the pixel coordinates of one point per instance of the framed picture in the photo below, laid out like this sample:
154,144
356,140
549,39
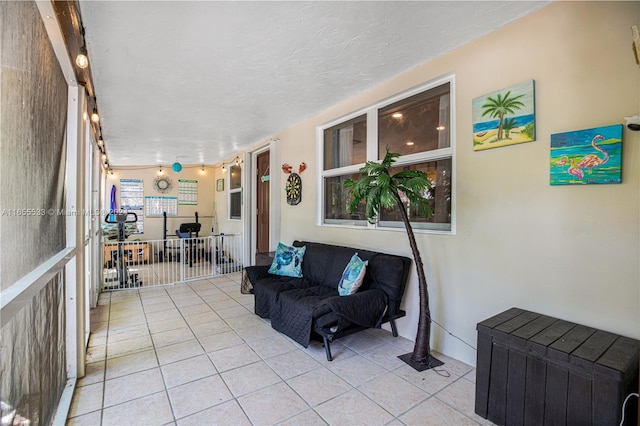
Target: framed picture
220,185
588,156
504,117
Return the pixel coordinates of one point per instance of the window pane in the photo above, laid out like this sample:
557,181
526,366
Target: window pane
416,124
235,202
439,174
337,199
346,143
236,174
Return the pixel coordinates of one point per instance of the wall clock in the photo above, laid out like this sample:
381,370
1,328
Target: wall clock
162,184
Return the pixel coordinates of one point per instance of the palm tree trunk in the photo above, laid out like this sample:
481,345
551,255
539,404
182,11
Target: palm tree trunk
421,350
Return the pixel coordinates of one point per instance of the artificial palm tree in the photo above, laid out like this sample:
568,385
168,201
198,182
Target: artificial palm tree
378,188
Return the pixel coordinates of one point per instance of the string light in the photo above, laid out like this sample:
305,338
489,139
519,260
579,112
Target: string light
235,161
94,115
82,61
82,58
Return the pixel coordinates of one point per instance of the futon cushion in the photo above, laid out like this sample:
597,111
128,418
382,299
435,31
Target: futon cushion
288,261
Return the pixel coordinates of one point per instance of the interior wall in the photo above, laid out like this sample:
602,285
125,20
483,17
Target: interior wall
153,226
565,251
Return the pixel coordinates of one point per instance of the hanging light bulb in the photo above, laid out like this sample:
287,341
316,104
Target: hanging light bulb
202,170
100,142
104,156
160,172
237,161
94,116
82,60
224,169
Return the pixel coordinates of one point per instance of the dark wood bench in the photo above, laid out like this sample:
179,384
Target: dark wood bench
533,369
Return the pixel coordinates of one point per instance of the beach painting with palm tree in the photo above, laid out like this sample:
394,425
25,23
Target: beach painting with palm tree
587,156
505,117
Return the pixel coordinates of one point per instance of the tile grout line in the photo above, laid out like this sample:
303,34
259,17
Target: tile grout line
226,290
155,352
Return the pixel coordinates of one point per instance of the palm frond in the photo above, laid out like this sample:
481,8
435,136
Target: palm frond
378,189
389,159
422,204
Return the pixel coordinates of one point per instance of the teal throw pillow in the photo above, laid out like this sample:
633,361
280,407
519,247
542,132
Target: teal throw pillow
352,276
288,261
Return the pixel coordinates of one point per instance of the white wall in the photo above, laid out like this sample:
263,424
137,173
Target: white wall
565,251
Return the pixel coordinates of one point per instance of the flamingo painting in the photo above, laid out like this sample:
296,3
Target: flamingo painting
573,160
592,160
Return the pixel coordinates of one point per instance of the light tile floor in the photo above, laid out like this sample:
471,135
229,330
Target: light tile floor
196,354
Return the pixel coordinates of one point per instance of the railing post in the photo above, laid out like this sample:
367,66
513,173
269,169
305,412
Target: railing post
183,259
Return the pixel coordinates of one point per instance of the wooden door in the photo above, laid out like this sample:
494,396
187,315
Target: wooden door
262,203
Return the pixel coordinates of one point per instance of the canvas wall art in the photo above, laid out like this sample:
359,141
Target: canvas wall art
504,117
587,156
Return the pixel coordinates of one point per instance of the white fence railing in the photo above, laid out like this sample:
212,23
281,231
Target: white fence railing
133,264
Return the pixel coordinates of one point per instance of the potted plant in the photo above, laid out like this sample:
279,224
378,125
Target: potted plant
378,188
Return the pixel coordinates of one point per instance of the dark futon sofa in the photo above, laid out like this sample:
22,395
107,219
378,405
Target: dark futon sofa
310,306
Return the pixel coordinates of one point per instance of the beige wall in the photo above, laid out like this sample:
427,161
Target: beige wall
153,225
565,251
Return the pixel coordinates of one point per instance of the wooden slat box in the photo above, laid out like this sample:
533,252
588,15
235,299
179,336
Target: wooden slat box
537,370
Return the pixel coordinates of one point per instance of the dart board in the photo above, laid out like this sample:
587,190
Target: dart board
294,189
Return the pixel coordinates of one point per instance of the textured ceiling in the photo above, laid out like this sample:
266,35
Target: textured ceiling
200,81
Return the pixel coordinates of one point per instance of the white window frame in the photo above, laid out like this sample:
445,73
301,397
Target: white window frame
372,155
234,191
